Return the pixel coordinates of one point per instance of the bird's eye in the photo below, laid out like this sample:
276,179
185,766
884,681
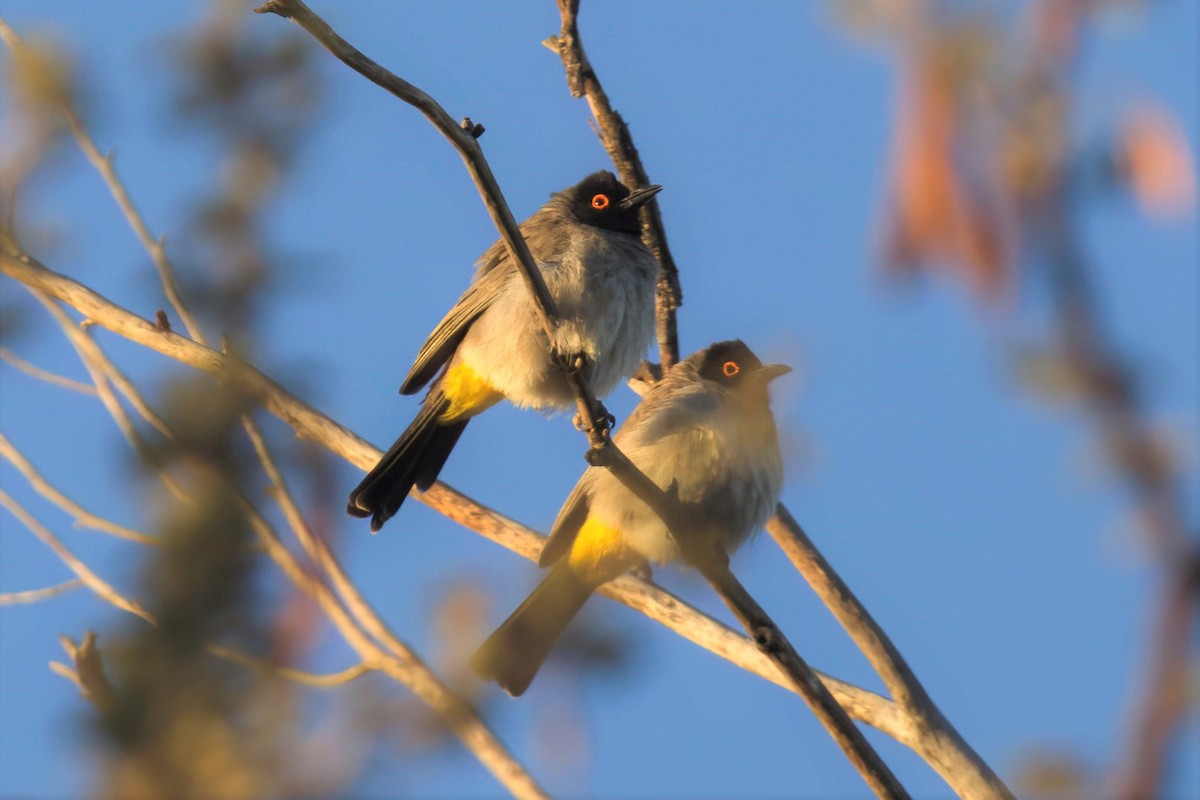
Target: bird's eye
730,368
600,202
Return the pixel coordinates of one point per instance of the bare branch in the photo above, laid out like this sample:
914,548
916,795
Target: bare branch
91,580
935,738
37,595
87,670
614,134
83,517
771,641
41,374
102,370
407,669
328,681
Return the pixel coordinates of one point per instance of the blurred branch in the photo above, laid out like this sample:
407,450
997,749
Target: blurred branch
86,670
401,663
328,681
37,595
41,374
89,579
104,166
101,370
83,517
1112,398
618,142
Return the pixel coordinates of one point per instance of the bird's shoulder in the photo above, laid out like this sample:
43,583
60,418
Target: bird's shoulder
548,234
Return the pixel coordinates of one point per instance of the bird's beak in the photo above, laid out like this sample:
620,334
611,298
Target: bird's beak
769,372
639,196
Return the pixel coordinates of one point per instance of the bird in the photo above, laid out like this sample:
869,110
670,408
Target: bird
705,432
491,346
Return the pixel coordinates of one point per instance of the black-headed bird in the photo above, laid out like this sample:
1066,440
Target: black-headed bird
491,345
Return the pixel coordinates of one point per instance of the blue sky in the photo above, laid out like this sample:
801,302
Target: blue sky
964,512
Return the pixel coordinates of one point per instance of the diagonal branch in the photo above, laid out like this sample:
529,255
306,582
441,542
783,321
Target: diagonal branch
327,681
91,580
41,374
83,517
30,596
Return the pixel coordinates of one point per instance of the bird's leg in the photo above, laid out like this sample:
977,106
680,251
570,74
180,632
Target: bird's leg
643,570
573,365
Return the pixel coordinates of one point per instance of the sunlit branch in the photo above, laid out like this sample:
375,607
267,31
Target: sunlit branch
43,375
91,580
100,369
327,681
86,670
83,517
30,596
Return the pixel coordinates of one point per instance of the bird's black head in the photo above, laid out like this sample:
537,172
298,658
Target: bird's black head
733,365
603,201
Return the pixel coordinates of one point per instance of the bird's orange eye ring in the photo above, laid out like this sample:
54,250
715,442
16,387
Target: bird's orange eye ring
730,368
600,202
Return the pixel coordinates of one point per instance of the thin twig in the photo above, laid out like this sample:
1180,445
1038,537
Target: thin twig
37,595
104,165
320,553
87,671
101,370
43,375
614,134
83,517
456,713
327,681
90,579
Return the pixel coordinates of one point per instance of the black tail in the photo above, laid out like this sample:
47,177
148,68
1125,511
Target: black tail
513,654
415,459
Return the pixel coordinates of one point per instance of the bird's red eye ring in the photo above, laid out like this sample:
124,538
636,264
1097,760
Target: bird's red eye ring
600,202
730,368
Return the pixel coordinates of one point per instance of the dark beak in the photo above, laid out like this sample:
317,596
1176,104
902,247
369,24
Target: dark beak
638,197
769,372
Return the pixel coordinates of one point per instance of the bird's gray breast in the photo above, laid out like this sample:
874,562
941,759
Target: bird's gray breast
603,285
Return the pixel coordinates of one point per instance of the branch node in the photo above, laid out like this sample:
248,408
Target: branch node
475,129
161,322
274,7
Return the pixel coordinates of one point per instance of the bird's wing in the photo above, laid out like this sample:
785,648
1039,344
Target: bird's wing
547,237
570,519
441,344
